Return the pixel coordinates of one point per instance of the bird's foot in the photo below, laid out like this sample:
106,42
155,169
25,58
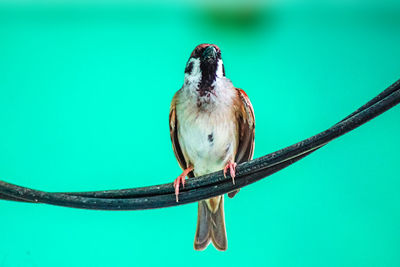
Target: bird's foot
232,170
181,180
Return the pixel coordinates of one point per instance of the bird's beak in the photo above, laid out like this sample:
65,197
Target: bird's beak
210,54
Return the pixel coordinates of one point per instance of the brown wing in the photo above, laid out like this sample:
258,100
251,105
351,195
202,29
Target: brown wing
246,122
173,130
246,129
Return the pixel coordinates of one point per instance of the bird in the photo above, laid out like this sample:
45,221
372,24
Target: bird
212,128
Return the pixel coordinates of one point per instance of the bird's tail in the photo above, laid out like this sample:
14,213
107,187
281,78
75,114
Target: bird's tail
211,224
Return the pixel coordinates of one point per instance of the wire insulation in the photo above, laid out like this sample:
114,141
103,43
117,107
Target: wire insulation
209,185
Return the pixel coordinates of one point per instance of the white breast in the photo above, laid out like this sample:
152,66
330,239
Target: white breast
207,134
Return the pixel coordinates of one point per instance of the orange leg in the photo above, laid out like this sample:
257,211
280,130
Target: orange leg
232,170
181,180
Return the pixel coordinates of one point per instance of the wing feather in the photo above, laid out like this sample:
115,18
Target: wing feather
173,130
246,127
247,124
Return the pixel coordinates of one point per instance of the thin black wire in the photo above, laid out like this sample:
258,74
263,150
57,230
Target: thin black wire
208,185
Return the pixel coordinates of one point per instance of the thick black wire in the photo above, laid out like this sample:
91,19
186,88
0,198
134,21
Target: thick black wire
208,185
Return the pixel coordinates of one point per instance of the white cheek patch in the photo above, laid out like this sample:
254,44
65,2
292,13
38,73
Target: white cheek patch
194,77
220,69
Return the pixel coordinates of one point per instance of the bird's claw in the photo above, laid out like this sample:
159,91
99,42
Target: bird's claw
232,170
181,180
177,182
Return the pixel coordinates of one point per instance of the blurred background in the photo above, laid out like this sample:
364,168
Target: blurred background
85,89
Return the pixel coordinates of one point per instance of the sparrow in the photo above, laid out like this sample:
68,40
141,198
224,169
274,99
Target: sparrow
212,128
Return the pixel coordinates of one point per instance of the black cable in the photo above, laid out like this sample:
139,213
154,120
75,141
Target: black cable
208,185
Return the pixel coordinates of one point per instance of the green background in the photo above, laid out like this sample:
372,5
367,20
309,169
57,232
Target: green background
85,91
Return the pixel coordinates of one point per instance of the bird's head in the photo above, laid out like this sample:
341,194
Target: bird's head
204,66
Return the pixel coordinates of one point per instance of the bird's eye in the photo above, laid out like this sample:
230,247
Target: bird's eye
197,53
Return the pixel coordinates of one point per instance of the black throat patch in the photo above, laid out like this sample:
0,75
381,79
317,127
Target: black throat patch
208,76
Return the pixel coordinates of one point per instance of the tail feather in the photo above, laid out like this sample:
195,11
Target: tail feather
211,227
203,231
